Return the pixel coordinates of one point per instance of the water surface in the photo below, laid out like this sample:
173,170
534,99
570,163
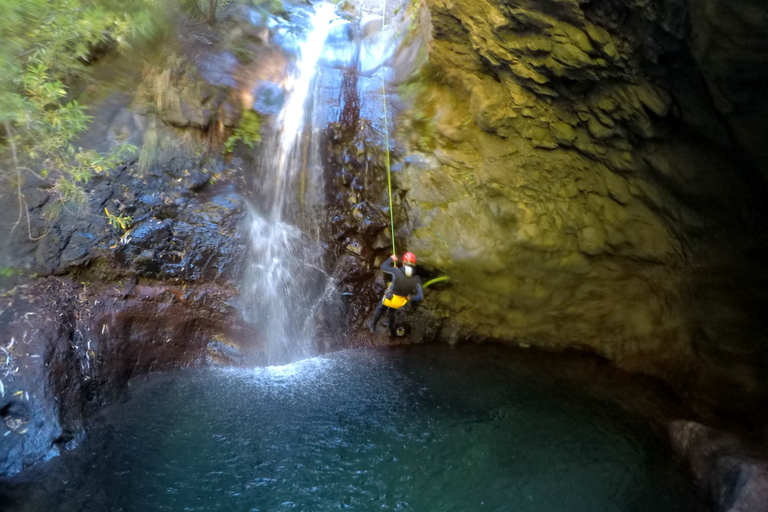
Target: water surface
416,429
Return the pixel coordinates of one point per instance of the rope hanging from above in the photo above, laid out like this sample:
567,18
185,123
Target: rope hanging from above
387,161
386,140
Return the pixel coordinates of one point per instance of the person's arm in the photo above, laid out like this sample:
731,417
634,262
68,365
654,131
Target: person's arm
389,265
419,296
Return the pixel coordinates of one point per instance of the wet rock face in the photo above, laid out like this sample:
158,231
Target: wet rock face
183,227
112,303
569,169
156,297
118,303
734,478
358,226
74,349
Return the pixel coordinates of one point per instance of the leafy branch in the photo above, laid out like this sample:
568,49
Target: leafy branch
121,221
247,132
45,44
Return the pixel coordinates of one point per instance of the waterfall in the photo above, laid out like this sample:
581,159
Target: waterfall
286,284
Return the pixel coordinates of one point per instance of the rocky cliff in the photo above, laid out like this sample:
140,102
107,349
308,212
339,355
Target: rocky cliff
570,165
97,304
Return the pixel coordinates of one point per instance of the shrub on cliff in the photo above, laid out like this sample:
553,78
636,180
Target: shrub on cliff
46,45
248,132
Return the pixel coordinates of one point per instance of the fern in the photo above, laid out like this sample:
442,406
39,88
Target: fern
247,132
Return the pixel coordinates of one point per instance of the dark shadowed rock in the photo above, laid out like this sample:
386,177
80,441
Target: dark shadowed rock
74,342
75,348
183,228
732,476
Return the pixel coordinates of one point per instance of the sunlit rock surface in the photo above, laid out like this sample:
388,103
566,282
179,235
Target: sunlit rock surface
567,166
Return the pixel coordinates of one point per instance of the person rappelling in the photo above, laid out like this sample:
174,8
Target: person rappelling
404,288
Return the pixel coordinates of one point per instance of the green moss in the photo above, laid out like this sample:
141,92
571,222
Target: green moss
247,132
414,9
243,55
420,128
275,7
424,131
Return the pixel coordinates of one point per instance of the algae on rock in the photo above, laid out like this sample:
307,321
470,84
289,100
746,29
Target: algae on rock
564,190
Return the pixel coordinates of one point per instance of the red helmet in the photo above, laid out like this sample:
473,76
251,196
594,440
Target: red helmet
409,258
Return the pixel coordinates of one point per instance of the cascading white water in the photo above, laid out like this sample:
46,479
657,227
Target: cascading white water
286,282
292,117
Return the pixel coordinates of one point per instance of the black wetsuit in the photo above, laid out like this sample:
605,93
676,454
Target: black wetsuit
401,285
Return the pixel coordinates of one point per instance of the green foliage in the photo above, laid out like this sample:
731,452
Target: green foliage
248,132
118,222
9,272
60,34
275,7
45,44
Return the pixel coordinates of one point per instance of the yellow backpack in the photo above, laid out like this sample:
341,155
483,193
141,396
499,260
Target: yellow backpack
396,302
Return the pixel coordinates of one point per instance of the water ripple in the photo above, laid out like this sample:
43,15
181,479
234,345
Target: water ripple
424,429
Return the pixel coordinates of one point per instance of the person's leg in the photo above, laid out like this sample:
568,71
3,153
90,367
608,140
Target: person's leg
391,322
377,316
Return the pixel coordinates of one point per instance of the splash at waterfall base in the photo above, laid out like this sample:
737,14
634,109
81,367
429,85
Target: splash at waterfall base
384,428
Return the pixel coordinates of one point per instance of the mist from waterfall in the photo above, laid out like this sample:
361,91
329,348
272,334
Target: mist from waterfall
286,285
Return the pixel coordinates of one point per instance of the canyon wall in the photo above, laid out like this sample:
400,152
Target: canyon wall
570,166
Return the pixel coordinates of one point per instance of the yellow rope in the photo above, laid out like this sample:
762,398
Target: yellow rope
435,280
389,170
386,140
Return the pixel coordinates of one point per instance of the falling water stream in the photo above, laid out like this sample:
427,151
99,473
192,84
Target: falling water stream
286,280
288,285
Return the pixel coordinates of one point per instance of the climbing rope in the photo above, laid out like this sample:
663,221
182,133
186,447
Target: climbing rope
386,140
435,280
387,161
